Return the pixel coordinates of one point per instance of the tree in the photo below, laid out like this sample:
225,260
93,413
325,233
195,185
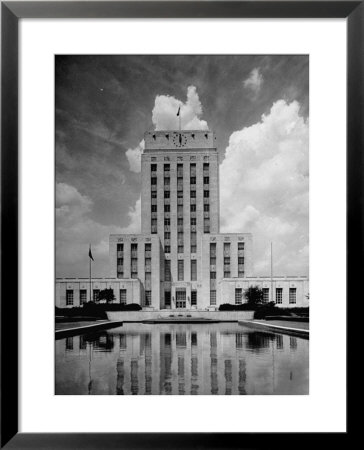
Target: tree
107,294
254,296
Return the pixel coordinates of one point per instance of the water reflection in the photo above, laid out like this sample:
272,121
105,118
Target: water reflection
181,359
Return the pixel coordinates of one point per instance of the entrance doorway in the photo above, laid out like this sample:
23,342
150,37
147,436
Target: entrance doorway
180,298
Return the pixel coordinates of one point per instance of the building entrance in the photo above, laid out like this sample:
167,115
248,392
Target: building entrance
181,298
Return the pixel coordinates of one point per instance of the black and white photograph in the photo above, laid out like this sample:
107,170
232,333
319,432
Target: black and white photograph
182,224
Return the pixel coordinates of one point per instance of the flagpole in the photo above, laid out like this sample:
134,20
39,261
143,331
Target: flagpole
90,273
271,270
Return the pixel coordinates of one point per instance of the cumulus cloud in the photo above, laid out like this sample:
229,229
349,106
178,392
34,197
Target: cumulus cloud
76,229
264,188
164,117
134,156
254,82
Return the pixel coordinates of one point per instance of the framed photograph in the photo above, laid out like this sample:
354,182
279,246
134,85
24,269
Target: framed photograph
181,221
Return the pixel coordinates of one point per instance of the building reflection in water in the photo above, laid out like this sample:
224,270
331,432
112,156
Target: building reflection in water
180,359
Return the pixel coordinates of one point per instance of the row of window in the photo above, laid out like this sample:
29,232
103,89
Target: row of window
95,296
133,259
278,297
148,293
180,270
167,168
227,273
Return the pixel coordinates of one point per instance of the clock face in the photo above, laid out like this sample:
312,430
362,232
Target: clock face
179,139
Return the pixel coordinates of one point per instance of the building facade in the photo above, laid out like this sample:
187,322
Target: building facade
181,260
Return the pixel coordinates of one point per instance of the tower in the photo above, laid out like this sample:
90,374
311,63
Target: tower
180,203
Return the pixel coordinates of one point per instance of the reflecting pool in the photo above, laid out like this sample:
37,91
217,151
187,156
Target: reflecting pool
182,359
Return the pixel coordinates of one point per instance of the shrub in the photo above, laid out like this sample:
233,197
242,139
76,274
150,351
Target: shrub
232,307
98,310
254,295
266,309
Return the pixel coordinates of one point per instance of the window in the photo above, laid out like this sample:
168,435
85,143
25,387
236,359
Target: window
148,247
154,208
95,295
180,249
292,295
69,297
154,194
167,194
241,274
193,270
180,209
166,182
147,268
167,270
193,180
180,221
69,343
206,194
153,167
167,249
193,194
167,299
206,208
206,166
238,296
193,248
241,260
148,298
226,261
120,247
167,208
212,275
206,180
265,295
193,298
134,275
213,250
240,245
212,297
180,235
167,221
193,208
227,274
83,296
123,296
179,170
180,194
206,227
212,261
226,248
166,167
134,250
193,220
120,261
193,170
279,292
167,235
153,181
180,270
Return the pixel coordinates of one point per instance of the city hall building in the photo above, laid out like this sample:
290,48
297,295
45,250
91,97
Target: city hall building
181,260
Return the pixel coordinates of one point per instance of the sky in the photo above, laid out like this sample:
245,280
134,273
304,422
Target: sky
258,108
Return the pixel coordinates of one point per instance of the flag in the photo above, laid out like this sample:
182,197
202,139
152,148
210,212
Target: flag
179,108
90,254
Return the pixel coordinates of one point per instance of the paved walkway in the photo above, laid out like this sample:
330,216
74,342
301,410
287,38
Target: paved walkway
286,324
82,323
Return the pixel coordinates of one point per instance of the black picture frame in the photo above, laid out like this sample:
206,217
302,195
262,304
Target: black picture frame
11,13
